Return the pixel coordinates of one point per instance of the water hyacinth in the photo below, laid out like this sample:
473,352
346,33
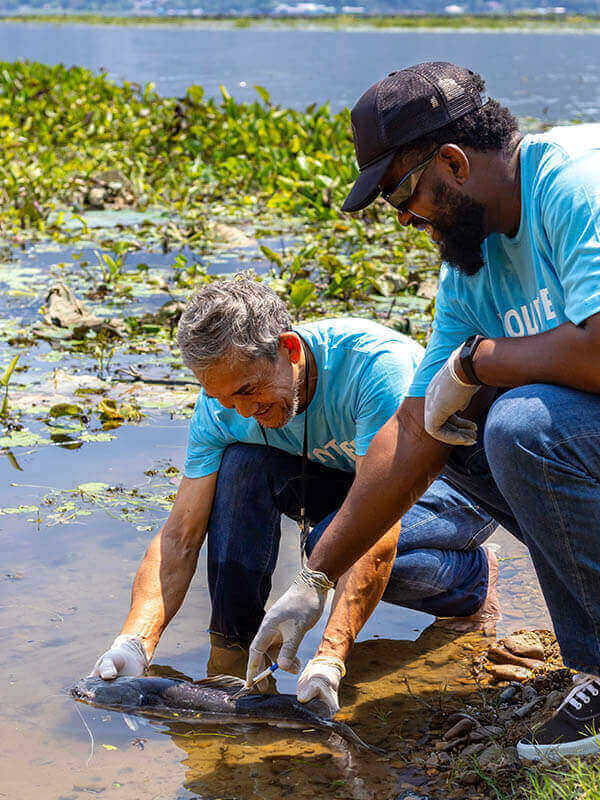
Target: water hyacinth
62,127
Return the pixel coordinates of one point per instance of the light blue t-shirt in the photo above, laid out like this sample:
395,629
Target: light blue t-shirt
364,371
549,273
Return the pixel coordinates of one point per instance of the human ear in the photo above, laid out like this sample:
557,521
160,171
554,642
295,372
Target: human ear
290,342
455,163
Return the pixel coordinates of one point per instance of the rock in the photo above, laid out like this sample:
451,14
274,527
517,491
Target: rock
95,197
507,694
528,693
462,727
553,700
528,645
469,778
451,744
232,236
523,711
501,655
473,749
492,755
485,732
454,718
65,311
509,672
433,760
443,758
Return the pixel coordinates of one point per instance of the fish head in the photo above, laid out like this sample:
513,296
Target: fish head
118,692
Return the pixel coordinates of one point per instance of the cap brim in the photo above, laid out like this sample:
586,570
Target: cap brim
366,187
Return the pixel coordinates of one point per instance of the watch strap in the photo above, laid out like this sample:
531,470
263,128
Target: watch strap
467,351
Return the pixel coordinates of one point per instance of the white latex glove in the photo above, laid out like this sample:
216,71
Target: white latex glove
125,656
445,395
321,679
288,620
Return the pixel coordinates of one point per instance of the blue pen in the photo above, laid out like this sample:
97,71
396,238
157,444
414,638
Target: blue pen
264,674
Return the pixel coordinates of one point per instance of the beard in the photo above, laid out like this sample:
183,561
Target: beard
290,412
462,229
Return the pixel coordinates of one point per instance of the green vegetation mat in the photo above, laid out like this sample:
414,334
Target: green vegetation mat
341,21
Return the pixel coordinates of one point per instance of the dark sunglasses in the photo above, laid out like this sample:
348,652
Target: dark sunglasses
406,188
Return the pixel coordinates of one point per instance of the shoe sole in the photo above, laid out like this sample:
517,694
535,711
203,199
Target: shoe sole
555,752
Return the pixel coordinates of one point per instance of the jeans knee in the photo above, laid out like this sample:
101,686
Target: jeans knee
518,429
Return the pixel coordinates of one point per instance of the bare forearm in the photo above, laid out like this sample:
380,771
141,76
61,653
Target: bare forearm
357,594
159,587
401,462
566,356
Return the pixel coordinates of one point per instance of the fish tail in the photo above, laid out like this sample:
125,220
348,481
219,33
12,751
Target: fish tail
346,732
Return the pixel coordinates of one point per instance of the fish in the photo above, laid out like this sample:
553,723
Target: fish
210,701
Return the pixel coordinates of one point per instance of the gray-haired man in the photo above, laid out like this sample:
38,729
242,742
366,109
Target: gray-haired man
284,416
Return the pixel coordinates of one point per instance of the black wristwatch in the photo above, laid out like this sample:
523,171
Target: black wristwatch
467,351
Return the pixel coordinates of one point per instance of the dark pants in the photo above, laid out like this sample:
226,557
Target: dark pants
440,567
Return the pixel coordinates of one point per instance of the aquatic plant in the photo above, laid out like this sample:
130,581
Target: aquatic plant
4,381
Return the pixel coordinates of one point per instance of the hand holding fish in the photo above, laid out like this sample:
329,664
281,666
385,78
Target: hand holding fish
320,680
288,620
125,656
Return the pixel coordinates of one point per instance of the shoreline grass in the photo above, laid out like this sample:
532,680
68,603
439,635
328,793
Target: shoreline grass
483,22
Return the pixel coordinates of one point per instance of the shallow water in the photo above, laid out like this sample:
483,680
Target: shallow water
74,524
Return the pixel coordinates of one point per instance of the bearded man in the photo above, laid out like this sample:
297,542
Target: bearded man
517,219
283,420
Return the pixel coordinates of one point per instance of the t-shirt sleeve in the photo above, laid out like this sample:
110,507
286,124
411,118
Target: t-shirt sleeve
206,442
451,326
570,209
383,384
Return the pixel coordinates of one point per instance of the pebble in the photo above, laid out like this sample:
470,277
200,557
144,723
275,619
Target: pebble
491,754
469,778
529,693
508,694
523,711
528,645
501,655
485,732
463,726
553,700
451,744
473,749
509,672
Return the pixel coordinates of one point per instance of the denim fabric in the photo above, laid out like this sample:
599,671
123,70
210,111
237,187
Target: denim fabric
440,567
538,473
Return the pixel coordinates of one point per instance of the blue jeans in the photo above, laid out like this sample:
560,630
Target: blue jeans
440,567
536,469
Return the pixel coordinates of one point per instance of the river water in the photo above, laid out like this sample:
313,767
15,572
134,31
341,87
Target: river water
554,76
76,514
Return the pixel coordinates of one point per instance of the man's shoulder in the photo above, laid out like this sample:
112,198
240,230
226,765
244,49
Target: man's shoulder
356,334
560,152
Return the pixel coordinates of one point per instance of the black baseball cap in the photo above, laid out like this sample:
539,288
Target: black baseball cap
401,108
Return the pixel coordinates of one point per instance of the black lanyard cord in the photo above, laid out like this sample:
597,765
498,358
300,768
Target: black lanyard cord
303,520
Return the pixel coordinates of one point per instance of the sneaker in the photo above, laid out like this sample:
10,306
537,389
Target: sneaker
574,728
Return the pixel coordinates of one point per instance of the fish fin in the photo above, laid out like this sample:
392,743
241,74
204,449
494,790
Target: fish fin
131,723
227,683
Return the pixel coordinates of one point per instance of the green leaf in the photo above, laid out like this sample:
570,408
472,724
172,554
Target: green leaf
65,410
272,256
4,379
264,95
301,292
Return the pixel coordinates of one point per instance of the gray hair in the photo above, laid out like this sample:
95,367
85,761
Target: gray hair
240,317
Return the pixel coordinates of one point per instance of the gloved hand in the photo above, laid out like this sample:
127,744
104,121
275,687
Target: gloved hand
445,395
125,656
321,679
288,620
